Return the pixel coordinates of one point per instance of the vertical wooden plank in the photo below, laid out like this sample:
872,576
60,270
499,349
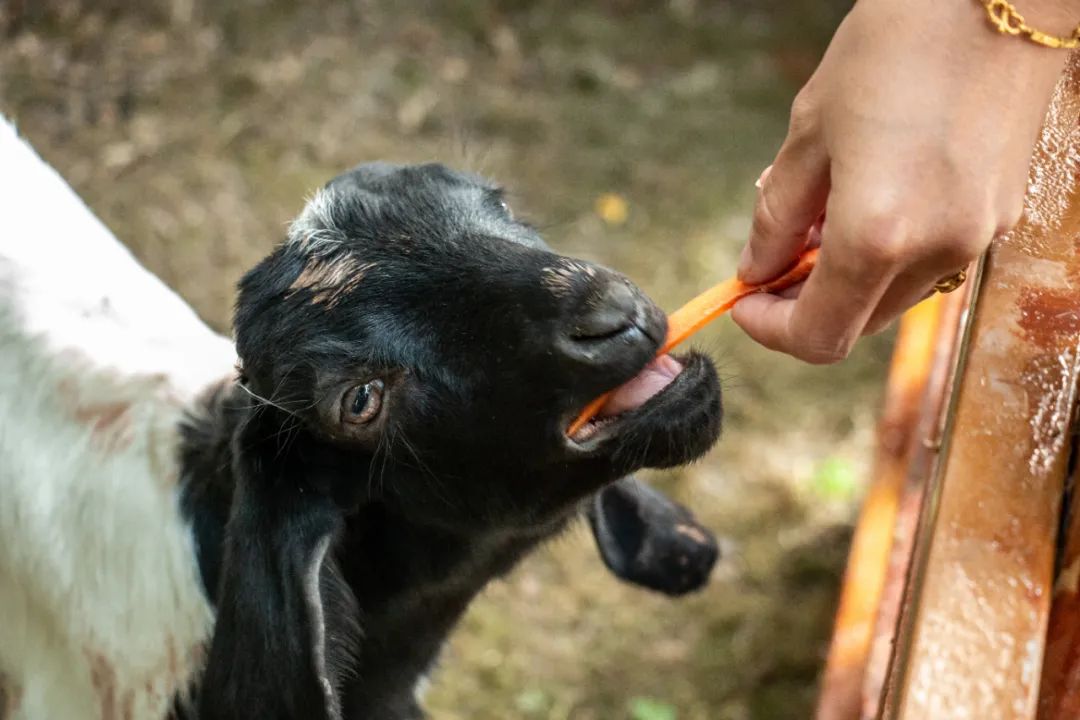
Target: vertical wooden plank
1059,692
913,354
972,645
921,464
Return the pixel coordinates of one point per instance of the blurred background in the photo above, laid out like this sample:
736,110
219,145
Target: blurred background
631,132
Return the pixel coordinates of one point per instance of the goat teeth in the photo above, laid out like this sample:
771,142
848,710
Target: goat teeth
586,432
591,428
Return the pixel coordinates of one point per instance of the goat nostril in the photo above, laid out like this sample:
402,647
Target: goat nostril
596,330
610,312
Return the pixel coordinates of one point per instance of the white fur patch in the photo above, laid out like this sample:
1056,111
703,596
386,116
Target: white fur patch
315,228
313,597
101,609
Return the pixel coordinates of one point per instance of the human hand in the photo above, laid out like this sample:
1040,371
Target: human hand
915,133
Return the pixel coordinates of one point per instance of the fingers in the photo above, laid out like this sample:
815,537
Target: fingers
907,290
829,314
953,240
873,266
791,197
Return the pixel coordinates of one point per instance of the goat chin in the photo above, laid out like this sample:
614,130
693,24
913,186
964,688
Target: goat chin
127,585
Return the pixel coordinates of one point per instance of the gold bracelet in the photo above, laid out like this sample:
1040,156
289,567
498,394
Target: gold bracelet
1007,20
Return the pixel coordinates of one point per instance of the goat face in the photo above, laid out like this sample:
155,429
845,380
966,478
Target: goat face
412,323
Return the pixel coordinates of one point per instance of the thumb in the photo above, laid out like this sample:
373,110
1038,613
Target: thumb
791,198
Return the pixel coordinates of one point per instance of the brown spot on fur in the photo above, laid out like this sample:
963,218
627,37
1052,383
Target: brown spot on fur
171,678
176,671
106,405
127,712
169,681
103,680
110,424
693,533
558,280
158,467
197,656
329,281
173,658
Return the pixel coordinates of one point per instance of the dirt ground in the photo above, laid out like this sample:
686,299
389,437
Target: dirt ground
631,132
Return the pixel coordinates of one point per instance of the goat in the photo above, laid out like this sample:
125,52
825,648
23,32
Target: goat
298,540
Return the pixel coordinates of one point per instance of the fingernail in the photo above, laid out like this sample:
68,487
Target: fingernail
761,178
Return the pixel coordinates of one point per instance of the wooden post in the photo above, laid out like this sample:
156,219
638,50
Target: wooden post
973,628
913,355
921,465
1059,693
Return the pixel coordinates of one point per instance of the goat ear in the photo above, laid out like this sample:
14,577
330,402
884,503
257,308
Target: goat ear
646,539
267,660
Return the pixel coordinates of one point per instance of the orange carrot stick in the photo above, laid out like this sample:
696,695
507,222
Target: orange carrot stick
702,310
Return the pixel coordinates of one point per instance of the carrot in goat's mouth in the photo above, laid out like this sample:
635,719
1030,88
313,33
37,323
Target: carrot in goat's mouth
702,310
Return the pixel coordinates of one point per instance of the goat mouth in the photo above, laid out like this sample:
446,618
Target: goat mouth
650,382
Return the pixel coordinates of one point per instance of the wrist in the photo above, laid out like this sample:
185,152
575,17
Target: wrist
1057,17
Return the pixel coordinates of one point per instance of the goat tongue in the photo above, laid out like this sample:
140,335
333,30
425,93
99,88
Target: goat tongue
656,376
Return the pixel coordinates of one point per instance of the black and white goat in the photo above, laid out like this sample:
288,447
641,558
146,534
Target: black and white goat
298,541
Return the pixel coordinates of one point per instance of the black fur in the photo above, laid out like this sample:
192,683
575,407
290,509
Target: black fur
488,344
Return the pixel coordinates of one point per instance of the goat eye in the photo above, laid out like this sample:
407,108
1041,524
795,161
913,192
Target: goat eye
505,207
361,403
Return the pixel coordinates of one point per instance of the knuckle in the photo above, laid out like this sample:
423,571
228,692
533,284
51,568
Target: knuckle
764,222
803,115
824,355
770,213
881,239
966,238
821,349
878,325
1010,217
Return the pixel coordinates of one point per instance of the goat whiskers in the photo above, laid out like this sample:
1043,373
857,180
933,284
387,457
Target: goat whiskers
381,447
267,401
290,429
